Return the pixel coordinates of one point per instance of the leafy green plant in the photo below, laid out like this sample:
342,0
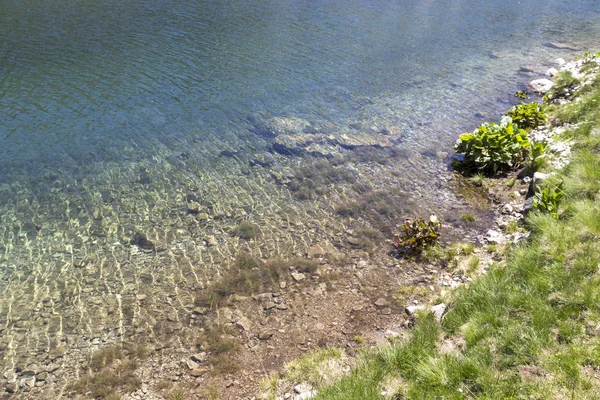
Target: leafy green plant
494,146
548,199
528,115
588,57
522,94
537,154
417,235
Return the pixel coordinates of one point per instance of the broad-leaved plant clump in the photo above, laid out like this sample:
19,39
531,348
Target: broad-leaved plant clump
522,94
528,115
493,147
548,199
416,235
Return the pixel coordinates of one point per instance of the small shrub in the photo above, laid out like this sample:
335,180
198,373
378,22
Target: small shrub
512,227
537,154
528,116
493,146
564,83
406,293
522,94
548,199
473,264
477,179
417,235
460,249
468,217
177,395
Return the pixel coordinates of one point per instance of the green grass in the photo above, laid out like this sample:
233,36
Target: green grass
468,217
528,326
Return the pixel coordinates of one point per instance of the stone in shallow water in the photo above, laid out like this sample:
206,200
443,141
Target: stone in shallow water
193,207
211,241
562,46
141,240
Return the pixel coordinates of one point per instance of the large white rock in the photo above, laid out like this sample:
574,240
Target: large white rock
541,85
438,311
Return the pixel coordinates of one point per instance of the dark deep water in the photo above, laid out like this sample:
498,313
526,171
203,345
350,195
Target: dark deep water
84,77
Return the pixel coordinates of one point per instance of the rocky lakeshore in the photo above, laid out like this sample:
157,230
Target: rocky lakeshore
443,357
140,297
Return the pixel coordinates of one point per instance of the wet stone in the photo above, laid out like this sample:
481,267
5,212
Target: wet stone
202,216
353,241
140,240
12,387
211,241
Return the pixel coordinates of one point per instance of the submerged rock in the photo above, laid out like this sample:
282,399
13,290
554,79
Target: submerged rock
562,46
140,240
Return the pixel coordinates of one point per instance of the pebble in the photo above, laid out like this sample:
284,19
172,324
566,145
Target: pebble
211,241
265,335
298,277
196,372
192,364
199,357
193,207
381,302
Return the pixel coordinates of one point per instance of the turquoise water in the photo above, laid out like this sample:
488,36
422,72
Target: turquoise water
87,77
312,120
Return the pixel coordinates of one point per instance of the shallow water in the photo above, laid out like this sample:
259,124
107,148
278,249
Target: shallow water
116,115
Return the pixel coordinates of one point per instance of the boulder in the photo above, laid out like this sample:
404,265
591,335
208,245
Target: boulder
438,311
495,237
412,310
541,86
